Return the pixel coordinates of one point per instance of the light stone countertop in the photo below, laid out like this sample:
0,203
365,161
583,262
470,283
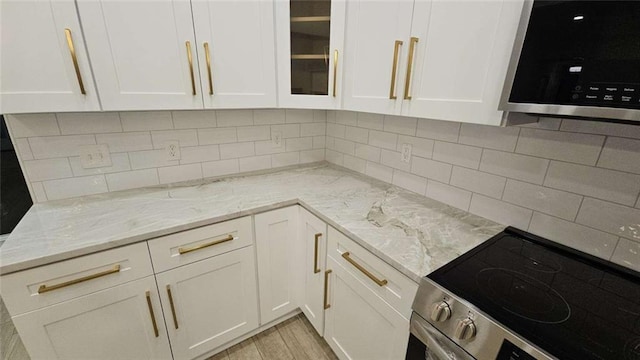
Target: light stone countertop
412,233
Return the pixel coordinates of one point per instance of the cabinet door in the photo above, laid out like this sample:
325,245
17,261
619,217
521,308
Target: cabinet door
37,68
139,53
462,52
117,323
313,238
377,39
276,233
310,36
210,302
237,64
359,324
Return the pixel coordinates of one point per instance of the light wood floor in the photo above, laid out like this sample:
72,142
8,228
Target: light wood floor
294,338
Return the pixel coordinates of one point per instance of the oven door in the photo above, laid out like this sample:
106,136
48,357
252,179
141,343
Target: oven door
428,343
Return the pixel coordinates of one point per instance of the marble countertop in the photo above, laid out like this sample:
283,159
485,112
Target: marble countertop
412,233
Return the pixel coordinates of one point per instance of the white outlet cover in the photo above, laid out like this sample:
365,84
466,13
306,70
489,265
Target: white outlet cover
172,149
406,153
276,139
94,156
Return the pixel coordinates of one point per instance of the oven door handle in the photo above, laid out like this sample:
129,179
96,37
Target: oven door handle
432,338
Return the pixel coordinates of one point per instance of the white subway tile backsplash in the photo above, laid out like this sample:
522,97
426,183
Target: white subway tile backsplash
379,172
477,181
558,145
491,137
419,146
132,179
357,134
349,118
194,119
226,118
146,120
354,163
579,237
147,159
267,147
237,150
371,121
297,144
367,152
331,116
314,129
23,149
173,174
319,116
76,186
343,146
217,136
621,154
309,156
129,141
184,137
336,130
627,254
456,154
601,128
334,157
253,133
89,123
285,159
500,211
383,140
520,167
255,163
612,218
288,131
38,192
199,154
410,182
431,169
400,125
319,142
29,125
438,130
603,184
298,116
449,194
119,162
48,147
268,116
220,168
549,201
394,159
48,169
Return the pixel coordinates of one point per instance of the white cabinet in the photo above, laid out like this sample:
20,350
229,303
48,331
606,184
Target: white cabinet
236,53
276,238
209,302
310,36
143,53
451,64
43,61
313,239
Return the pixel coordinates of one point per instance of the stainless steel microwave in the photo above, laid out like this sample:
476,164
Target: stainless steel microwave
576,59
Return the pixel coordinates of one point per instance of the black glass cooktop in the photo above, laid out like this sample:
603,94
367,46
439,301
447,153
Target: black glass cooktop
570,304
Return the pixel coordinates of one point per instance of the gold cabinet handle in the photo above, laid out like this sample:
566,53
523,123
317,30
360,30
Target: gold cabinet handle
205,245
207,56
335,71
394,70
74,58
316,269
407,81
326,289
173,309
44,288
190,57
153,317
382,282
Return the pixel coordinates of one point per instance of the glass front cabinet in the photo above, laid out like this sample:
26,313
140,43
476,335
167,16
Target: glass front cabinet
310,36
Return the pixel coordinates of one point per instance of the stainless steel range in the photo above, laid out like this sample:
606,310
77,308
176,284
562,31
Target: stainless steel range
521,297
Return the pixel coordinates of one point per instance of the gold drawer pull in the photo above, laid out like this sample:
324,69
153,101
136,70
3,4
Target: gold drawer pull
207,56
44,288
382,282
74,58
205,245
335,71
173,309
394,70
190,58
326,289
315,254
407,81
153,317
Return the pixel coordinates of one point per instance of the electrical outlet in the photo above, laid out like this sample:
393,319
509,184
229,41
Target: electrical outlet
406,153
276,139
172,149
94,156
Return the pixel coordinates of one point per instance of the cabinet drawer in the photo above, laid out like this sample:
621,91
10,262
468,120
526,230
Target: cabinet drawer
185,247
387,282
50,284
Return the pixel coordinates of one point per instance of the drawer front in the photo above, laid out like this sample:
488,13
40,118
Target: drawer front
51,284
388,283
185,247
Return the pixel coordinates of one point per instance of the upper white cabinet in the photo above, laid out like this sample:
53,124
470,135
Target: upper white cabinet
236,53
143,53
310,53
450,65
43,61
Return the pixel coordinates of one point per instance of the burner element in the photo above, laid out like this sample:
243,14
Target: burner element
523,295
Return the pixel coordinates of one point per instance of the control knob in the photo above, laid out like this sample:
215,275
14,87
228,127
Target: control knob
466,329
441,312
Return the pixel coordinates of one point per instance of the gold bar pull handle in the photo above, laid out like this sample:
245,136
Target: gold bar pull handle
316,269
74,58
394,70
44,288
407,82
207,56
335,71
190,57
173,309
326,289
153,317
382,282
205,245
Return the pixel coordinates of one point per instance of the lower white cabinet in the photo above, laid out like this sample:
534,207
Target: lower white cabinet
122,322
359,324
209,302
